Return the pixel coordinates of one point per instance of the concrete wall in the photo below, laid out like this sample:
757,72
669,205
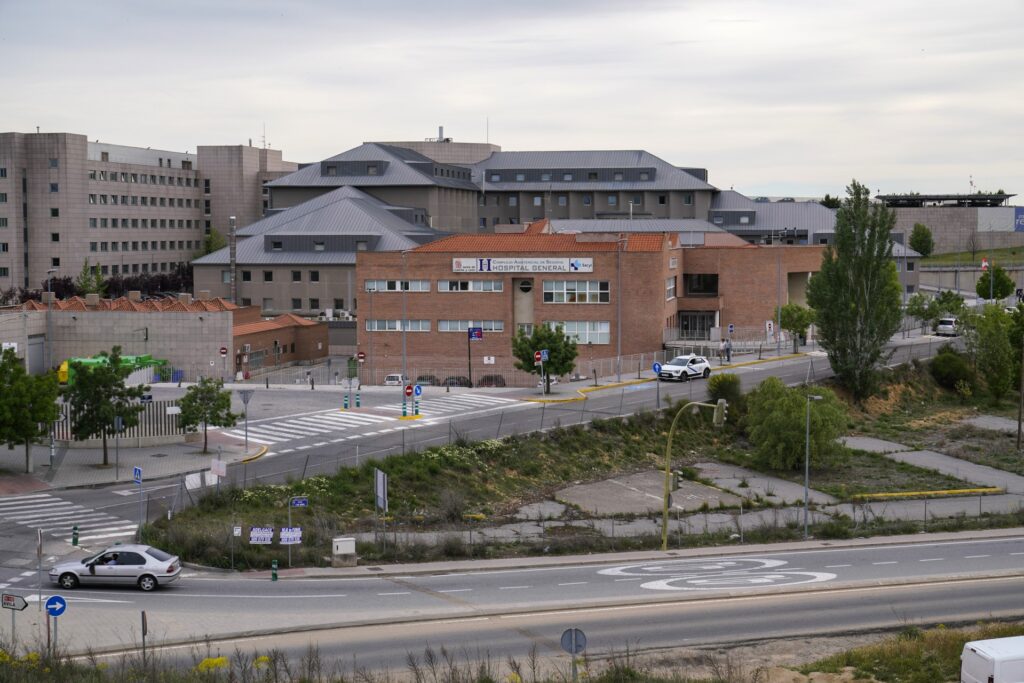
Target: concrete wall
336,285
954,228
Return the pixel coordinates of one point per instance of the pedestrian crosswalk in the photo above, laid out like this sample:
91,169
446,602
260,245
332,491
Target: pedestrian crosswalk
57,517
297,427
454,404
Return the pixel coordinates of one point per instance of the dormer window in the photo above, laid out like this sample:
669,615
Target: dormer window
276,246
332,170
567,177
495,177
592,176
371,169
718,220
618,176
520,177
644,175
318,246
545,177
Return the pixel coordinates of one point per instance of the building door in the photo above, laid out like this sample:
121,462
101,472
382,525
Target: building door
696,324
522,302
35,355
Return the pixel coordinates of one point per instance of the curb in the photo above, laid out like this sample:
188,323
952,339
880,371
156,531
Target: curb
259,454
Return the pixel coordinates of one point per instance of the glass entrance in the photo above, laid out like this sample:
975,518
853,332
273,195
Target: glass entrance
696,324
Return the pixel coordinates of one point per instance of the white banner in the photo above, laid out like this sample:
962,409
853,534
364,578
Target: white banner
522,265
261,535
291,535
380,485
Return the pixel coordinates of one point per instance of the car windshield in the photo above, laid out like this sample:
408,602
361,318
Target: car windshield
680,360
158,554
948,321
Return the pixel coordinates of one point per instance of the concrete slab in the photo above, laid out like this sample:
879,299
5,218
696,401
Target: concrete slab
772,489
873,445
641,493
993,422
962,469
547,509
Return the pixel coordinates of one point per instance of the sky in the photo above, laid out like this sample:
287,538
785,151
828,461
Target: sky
773,97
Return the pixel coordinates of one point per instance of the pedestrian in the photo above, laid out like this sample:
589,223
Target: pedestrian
728,350
721,351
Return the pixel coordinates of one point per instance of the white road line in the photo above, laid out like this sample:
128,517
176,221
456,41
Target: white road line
4,585
889,562
574,583
301,448
975,557
403,593
510,588
14,579
638,578
837,566
286,450
1017,553
322,443
456,590
932,559
28,573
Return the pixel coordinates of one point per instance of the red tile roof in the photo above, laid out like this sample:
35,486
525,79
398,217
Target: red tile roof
540,243
167,304
281,321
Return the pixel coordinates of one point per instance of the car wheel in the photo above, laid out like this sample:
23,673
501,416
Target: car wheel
707,372
68,581
147,583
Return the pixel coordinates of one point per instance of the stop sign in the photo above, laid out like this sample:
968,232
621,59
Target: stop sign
536,356
408,390
223,351
361,356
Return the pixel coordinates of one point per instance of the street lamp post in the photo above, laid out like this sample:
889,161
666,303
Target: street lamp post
618,305
807,462
721,412
49,319
405,324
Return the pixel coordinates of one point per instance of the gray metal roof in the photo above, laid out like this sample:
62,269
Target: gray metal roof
635,225
811,217
666,177
405,168
345,211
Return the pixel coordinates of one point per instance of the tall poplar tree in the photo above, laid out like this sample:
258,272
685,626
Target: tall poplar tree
856,294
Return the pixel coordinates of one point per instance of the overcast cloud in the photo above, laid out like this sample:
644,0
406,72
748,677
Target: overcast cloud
786,97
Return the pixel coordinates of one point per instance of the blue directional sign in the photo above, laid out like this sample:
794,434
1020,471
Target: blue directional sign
137,475
300,502
656,367
55,605
476,334
417,390
544,355
732,328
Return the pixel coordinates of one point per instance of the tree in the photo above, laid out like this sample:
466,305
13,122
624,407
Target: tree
98,394
213,242
830,202
856,295
89,280
561,349
28,404
207,403
996,282
795,319
921,240
776,423
973,245
994,356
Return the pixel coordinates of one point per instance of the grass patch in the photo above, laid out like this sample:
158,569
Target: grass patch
915,655
1006,256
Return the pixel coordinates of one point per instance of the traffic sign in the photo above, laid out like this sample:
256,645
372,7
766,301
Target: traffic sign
537,356
56,605
245,395
300,502
137,474
544,355
361,357
732,328
223,351
417,390
656,367
984,264
12,601
408,390
574,641
476,334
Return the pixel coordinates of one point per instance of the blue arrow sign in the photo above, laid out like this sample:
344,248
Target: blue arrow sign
656,367
544,355
55,605
137,475
300,502
417,390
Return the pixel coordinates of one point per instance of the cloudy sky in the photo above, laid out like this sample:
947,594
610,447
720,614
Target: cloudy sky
784,97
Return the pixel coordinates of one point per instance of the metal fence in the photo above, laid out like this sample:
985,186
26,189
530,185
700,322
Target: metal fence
153,421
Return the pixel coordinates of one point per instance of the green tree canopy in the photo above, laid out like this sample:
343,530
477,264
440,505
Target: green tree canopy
89,280
795,319
206,403
28,404
562,351
213,242
856,295
995,282
921,240
776,423
994,354
830,201
98,395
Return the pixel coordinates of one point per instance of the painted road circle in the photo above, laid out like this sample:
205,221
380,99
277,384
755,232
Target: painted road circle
725,574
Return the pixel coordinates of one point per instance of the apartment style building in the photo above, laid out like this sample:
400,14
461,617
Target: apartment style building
128,210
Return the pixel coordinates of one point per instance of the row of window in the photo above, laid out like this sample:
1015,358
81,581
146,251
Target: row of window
314,304
142,178
555,291
587,199
565,177
268,276
143,200
145,245
186,223
580,331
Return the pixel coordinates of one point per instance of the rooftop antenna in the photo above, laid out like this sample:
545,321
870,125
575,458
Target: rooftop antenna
487,129
971,180
264,135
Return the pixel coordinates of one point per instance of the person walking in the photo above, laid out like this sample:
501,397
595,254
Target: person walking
728,350
721,352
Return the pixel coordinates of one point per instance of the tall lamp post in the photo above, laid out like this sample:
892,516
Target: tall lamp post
807,462
49,319
618,304
405,324
721,413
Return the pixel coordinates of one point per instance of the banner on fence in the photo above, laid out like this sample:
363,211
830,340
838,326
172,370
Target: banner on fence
261,535
291,535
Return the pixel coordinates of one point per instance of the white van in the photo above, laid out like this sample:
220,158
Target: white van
998,660
395,380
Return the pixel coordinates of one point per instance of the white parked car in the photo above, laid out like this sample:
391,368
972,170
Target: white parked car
946,327
395,380
685,367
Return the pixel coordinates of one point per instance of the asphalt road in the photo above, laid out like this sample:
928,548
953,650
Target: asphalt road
641,598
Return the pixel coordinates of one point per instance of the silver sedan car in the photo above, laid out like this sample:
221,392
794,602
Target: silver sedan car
139,565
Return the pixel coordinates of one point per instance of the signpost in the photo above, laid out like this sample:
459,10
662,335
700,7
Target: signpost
55,606
245,395
380,490
15,603
657,385
224,363
538,359
472,334
292,535
118,428
137,476
574,641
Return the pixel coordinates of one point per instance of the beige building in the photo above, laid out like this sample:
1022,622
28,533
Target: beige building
127,210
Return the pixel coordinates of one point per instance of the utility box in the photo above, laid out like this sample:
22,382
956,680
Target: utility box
343,552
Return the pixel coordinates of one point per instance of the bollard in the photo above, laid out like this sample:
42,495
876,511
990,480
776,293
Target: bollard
345,402
405,411
273,570
416,407
267,378
74,535
357,399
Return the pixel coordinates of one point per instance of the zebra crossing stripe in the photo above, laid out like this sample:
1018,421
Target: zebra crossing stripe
50,514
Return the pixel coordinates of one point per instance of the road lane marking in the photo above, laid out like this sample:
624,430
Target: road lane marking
635,578
837,566
932,559
509,588
975,557
574,583
398,593
888,562
1017,553
28,573
456,590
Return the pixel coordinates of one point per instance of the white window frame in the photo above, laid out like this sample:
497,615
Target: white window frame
576,292
464,325
470,285
584,331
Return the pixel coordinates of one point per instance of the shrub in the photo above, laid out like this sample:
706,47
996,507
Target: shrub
726,386
949,368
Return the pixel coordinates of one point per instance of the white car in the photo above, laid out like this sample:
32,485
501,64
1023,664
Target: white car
395,380
685,367
131,565
946,327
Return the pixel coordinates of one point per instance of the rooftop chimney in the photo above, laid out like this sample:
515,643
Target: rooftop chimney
185,298
92,300
440,133
48,297
204,295
135,295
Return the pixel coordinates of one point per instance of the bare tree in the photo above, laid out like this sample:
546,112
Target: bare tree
972,244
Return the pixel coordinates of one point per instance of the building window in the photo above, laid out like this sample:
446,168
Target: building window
296,304
54,213
464,325
396,325
314,276
662,199
617,176
54,163
4,248
567,177
371,169
495,177
587,200
3,197
55,262
592,175
314,304
296,276
910,289
54,187
584,331
613,200
718,220
5,272
225,277
92,246
910,266
644,175
513,200
268,276
701,284
3,172
744,220
55,237
576,292
206,186
670,288
537,200
545,177
318,246
246,301
563,200
520,177
688,198
276,245
397,285
339,304
3,222
361,245
470,285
